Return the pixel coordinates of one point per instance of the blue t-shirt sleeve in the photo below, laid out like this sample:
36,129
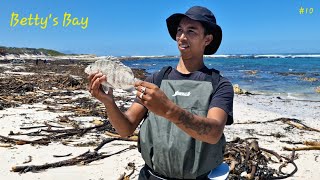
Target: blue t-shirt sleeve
223,98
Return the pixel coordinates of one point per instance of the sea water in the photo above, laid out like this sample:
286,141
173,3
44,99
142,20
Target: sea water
291,78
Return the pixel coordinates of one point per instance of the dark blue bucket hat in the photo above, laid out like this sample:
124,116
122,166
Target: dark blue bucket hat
204,16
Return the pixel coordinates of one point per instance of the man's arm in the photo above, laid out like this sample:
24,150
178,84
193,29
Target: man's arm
208,129
124,123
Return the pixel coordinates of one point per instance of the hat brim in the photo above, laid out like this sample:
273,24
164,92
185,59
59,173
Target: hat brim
214,29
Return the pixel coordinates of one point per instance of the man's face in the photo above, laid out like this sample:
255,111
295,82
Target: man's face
191,39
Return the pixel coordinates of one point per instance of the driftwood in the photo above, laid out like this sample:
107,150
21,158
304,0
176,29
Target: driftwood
83,159
46,125
127,177
130,138
299,125
290,121
311,143
4,99
21,141
58,156
5,145
302,148
46,140
290,142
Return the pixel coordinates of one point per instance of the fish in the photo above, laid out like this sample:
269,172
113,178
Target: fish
119,76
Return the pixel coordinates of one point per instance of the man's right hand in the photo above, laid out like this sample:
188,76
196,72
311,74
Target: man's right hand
96,90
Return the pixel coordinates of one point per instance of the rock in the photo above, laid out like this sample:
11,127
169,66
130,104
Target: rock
292,73
310,79
251,72
238,90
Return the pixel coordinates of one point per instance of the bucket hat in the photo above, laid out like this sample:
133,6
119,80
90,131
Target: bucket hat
206,18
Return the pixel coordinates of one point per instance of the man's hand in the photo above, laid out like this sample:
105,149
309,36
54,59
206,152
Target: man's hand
96,90
154,99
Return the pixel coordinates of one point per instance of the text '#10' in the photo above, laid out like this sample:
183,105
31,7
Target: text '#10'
306,11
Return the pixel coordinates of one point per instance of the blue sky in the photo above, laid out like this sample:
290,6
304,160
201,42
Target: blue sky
137,27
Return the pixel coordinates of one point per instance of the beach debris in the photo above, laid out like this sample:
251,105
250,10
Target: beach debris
29,159
251,72
292,73
317,89
54,134
290,121
118,75
309,79
298,124
22,142
5,145
302,148
238,90
247,159
82,159
49,84
41,126
133,137
131,166
65,155
56,85
97,122
310,145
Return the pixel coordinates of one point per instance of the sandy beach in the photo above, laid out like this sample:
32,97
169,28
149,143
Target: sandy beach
70,106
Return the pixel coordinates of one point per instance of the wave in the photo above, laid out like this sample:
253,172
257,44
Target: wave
257,56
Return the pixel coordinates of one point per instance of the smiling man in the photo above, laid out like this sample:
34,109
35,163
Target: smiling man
185,109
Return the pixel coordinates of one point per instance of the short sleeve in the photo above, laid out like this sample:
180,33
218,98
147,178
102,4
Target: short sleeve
223,98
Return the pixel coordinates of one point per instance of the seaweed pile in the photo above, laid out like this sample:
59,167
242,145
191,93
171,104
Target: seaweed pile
247,160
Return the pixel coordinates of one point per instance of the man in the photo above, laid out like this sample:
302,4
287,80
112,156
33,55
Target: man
182,133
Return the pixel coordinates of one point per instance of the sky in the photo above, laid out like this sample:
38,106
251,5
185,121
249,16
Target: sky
138,27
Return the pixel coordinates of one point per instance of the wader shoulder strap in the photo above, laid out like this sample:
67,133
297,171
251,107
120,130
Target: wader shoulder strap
215,79
163,74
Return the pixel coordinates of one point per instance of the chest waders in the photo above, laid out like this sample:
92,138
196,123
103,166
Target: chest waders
168,150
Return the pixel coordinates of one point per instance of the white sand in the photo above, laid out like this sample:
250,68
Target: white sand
246,108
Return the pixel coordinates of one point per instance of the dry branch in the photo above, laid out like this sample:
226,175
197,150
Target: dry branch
306,148
22,141
84,158
311,143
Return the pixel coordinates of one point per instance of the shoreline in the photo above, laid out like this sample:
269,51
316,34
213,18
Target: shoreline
93,57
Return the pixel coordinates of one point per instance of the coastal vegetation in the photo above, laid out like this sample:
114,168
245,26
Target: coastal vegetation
33,51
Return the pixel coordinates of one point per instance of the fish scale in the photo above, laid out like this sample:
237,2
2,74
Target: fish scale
119,76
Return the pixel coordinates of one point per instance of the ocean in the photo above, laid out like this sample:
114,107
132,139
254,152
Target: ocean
289,78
